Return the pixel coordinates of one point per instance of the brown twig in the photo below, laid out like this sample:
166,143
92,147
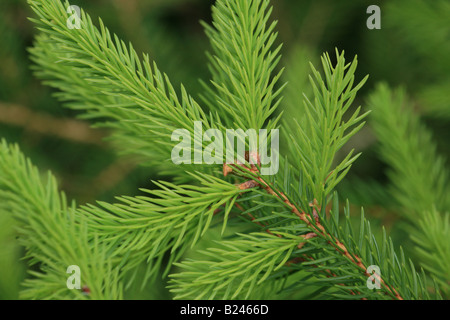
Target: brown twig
67,129
317,227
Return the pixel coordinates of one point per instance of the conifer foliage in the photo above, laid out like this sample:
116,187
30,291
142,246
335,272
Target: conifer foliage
284,236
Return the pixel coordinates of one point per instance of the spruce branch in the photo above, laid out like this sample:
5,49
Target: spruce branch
319,135
243,87
419,178
52,237
301,240
138,230
235,268
136,100
331,101
172,219
360,252
333,253
313,222
418,174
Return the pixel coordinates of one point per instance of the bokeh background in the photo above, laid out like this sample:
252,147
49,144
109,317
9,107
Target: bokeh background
412,50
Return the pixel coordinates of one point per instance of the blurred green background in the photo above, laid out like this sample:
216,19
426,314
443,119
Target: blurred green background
412,49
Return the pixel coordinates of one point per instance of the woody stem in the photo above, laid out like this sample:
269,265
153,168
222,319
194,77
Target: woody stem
316,227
